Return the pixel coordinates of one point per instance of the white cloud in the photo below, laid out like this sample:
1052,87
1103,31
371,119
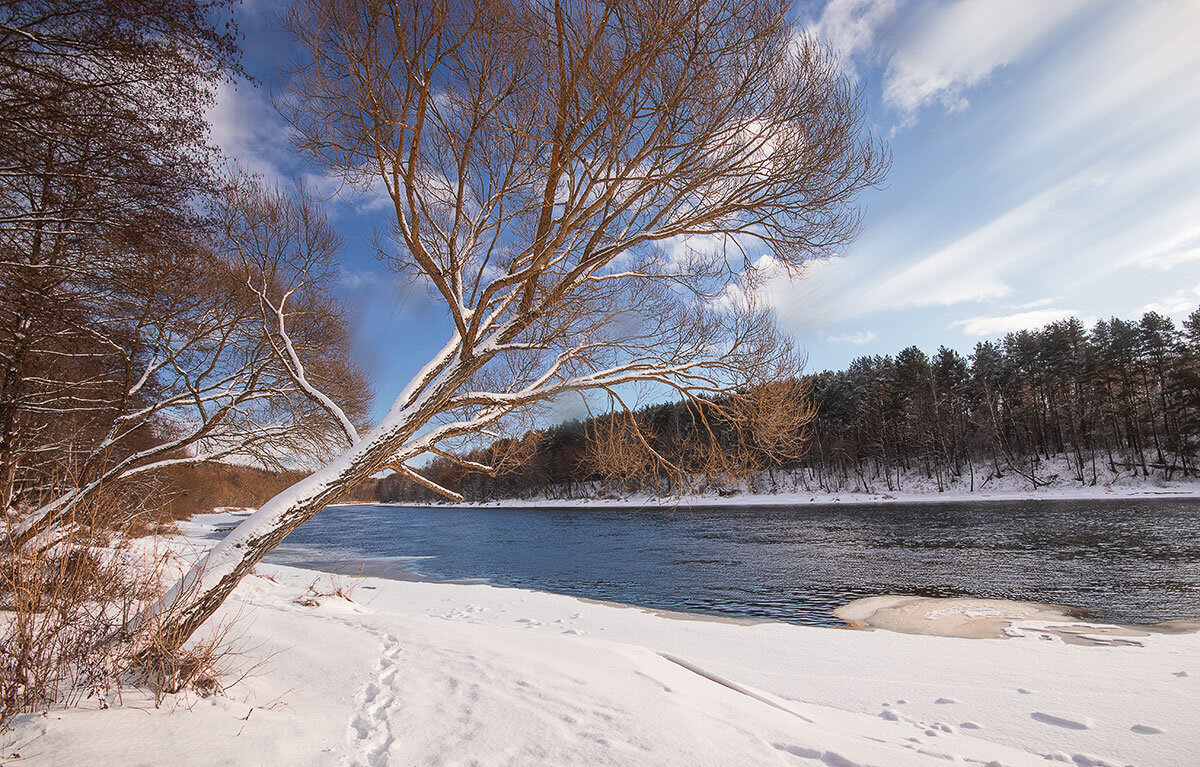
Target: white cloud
1177,249
248,130
823,295
360,279
1070,184
995,326
1133,74
858,339
851,27
972,268
1036,304
975,266
371,196
1178,304
1119,130
958,45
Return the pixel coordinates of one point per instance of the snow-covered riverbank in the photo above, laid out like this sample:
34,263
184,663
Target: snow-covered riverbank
416,673
920,494
1055,477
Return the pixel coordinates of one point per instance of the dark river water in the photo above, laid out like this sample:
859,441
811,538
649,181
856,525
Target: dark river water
1128,561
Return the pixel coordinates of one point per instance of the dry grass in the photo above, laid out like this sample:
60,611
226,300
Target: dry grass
68,628
206,667
338,586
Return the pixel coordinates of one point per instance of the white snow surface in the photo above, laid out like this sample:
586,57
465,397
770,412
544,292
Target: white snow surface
418,673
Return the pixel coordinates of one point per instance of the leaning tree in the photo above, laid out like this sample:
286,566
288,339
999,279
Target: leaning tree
590,191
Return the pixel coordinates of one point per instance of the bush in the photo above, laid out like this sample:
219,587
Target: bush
69,630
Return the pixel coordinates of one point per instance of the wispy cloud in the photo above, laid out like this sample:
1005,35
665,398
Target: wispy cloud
1178,304
851,28
994,326
955,46
1039,303
361,279
1072,175
976,266
248,130
1182,247
860,338
369,197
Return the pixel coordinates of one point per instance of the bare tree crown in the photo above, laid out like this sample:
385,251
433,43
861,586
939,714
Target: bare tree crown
579,183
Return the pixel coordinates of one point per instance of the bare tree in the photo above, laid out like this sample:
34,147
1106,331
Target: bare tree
211,367
591,189
619,451
719,441
774,421
102,154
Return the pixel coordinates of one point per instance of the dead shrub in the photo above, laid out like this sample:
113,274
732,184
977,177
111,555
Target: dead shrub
338,587
207,667
69,630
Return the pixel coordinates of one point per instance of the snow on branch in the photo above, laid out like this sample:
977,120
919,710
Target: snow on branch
427,483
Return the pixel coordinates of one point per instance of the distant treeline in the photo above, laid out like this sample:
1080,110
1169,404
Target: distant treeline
178,492
1124,395
1120,398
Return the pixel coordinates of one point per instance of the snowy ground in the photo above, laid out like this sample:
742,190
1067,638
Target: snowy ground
414,673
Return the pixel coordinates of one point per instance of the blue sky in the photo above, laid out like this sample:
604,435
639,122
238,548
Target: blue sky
1046,162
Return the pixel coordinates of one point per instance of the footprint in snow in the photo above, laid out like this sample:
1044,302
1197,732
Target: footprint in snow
970,726
945,701
1069,722
1145,729
1180,674
827,757
1023,691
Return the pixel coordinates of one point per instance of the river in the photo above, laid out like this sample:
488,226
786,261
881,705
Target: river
1126,561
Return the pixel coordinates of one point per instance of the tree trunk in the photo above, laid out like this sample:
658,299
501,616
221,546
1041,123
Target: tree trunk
210,581
10,382
199,593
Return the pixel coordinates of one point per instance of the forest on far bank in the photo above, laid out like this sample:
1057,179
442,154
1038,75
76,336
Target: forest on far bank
1119,399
